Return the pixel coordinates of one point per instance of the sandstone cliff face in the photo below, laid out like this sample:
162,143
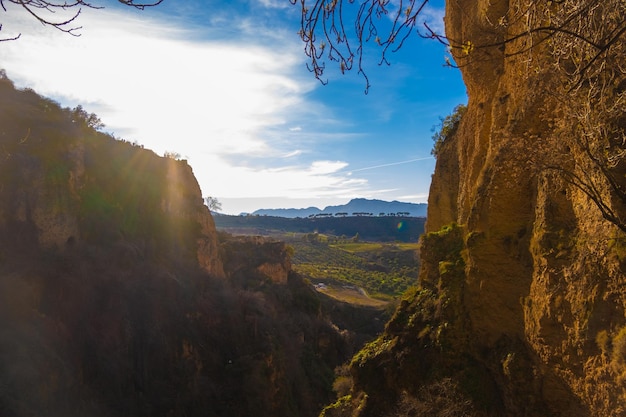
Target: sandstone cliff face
542,265
538,281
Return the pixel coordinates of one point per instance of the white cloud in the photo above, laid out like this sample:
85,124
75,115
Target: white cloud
434,18
173,92
275,4
420,198
319,179
297,152
212,101
327,167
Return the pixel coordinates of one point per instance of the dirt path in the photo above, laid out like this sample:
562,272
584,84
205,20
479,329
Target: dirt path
350,294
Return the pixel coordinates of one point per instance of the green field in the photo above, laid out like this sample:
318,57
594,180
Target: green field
383,270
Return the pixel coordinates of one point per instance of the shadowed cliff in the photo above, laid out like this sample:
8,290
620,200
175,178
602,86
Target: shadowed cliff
118,299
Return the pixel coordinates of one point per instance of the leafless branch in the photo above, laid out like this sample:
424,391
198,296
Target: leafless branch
326,37
44,12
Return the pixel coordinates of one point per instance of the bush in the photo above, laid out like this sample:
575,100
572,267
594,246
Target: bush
447,128
603,341
343,382
441,398
618,355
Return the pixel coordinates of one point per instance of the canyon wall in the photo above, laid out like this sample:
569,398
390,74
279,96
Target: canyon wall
521,305
118,297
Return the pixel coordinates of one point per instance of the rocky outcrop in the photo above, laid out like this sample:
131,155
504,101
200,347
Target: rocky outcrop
183,200
537,327
246,256
62,183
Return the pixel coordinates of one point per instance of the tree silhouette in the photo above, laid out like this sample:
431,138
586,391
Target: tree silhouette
213,203
323,30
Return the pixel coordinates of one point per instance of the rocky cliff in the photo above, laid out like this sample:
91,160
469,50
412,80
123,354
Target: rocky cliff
63,183
118,297
521,305
254,255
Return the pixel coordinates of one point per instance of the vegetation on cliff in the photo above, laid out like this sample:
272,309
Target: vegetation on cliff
447,128
418,364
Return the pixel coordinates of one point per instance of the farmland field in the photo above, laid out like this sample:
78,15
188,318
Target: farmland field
383,270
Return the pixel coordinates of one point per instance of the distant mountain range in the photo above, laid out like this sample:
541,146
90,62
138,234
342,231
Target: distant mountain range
357,206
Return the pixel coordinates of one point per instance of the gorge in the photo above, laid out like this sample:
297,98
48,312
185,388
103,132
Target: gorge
118,297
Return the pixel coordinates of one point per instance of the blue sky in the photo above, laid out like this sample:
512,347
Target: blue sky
225,85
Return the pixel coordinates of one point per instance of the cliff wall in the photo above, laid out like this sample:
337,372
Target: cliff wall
543,265
254,256
62,183
118,299
521,305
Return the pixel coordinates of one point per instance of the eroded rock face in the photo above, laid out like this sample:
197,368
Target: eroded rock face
250,256
538,282
542,266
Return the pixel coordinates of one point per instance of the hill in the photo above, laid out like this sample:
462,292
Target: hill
353,207
383,229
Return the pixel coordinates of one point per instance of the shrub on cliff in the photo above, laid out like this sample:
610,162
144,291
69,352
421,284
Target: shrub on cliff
618,355
447,127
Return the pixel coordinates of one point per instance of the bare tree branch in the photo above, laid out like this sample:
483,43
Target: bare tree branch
327,39
44,12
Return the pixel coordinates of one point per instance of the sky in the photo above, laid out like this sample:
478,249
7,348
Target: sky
225,85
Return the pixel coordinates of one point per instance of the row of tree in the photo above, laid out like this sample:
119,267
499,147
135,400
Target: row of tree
360,214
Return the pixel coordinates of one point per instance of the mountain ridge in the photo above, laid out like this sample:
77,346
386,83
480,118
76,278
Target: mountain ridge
356,205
